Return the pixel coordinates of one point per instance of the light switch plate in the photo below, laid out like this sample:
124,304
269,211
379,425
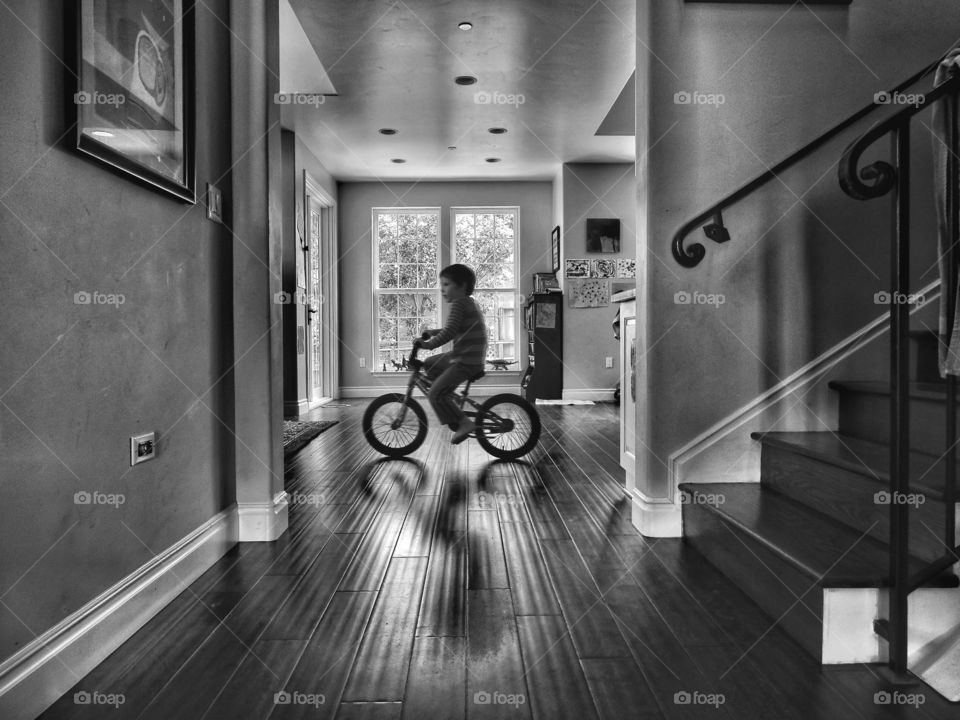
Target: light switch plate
214,204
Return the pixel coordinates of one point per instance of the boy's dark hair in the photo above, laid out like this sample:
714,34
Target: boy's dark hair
462,275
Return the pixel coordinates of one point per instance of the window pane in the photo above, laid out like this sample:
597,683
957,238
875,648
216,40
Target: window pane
408,276
388,275
388,249
504,226
388,304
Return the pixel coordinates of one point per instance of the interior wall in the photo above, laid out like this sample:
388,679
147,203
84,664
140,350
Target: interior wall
356,250
77,380
804,262
594,190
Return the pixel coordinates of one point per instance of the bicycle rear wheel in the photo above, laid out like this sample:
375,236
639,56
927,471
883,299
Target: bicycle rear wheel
383,431
508,426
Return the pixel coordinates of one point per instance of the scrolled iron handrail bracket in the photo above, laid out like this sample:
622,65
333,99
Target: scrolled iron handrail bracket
691,256
873,181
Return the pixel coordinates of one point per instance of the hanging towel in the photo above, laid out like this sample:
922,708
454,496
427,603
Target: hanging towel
949,351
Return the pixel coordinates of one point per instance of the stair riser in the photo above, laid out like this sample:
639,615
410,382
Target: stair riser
867,416
849,497
763,575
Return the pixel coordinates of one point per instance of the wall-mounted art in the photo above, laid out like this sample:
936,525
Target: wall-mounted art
555,249
603,268
626,268
603,235
134,92
589,292
576,268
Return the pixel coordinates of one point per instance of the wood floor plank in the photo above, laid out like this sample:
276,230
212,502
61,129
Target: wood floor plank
530,584
494,661
369,711
299,615
487,566
417,530
616,686
443,606
370,562
380,670
558,687
436,685
325,664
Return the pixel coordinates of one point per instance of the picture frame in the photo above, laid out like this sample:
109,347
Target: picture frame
545,282
555,249
135,83
603,235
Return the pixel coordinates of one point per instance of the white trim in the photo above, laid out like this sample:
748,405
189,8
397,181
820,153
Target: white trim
848,636
263,522
660,520
786,387
372,391
33,678
295,408
329,288
595,394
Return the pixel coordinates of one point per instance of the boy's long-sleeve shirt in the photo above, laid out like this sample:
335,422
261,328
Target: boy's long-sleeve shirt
466,328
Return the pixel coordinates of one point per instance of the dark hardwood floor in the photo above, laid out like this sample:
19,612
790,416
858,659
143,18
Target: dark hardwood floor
450,586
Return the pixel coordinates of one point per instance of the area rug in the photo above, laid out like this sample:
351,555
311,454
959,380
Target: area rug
297,434
541,401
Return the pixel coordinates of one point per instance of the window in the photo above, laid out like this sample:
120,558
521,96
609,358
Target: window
406,292
486,240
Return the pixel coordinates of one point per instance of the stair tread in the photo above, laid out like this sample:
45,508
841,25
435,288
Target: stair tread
870,459
919,390
831,554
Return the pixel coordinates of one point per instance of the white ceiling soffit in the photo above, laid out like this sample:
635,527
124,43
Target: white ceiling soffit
300,68
548,72
622,118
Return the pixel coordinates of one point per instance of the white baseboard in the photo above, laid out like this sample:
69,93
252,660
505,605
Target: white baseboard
659,520
848,636
716,456
595,394
295,408
263,522
32,679
477,390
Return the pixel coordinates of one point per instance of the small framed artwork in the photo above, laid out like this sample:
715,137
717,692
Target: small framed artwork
545,282
555,249
603,268
134,94
626,268
577,268
603,235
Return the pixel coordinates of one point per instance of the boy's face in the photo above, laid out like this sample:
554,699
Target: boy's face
450,290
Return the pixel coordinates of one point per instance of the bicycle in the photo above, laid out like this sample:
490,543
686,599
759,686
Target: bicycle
395,424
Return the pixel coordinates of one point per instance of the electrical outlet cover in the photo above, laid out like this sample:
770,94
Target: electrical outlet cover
142,448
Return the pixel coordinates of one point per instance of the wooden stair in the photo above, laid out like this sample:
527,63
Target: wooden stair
808,543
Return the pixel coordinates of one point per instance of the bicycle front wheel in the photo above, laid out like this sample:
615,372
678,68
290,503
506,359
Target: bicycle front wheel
508,426
386,432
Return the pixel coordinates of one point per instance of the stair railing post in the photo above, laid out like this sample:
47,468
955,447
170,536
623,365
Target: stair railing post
899,402
953,228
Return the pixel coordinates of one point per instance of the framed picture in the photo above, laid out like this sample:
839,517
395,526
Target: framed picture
601,268
134,96
555,249
545,282
577,268
603,235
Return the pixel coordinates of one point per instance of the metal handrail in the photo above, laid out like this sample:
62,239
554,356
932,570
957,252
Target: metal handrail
692,255
873,181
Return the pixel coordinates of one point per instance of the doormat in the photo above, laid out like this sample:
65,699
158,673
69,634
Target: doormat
296,434
541,401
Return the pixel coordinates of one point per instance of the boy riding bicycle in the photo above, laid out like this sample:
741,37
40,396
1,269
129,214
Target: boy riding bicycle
466,328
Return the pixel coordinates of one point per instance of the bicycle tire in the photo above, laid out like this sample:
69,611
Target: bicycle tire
519,441
389,441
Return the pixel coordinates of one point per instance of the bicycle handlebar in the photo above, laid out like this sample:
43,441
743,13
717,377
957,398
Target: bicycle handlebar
413,352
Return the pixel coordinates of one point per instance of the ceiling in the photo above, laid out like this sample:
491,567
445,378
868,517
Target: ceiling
549,72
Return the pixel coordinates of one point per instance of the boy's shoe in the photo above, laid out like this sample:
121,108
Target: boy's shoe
463,433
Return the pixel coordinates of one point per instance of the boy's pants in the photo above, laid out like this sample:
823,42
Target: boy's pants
446,376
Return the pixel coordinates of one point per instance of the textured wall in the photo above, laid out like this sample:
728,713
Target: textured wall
77,380
796,277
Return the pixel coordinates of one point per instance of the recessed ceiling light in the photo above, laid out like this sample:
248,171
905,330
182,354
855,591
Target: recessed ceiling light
465,25
496,130
397,160
493,160
102,133
387,131
451,147
465,80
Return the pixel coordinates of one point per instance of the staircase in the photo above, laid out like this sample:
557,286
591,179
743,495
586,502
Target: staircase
809,542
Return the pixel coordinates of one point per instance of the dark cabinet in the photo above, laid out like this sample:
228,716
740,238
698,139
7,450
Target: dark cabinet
543,320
